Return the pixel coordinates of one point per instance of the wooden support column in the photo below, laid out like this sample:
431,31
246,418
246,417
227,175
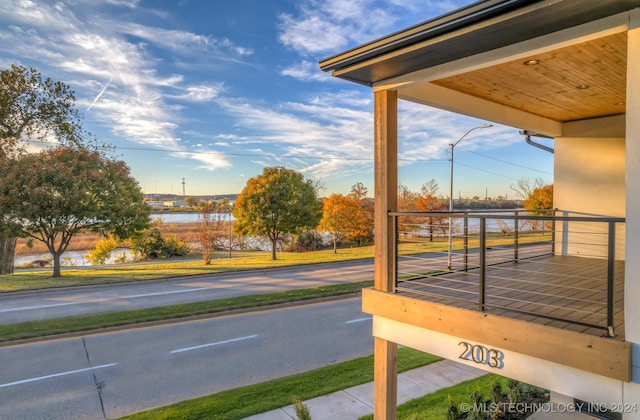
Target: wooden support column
385,192
385,184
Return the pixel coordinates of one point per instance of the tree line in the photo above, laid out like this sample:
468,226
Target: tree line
74,185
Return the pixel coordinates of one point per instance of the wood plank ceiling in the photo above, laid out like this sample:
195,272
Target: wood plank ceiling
581,81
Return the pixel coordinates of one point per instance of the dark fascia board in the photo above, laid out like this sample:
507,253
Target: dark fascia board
443,24
462,33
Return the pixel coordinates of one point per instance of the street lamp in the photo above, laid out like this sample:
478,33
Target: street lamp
451,146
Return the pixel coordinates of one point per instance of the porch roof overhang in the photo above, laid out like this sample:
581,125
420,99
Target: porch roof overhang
471,61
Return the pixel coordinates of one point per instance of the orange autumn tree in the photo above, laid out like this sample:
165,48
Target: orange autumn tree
348,217
340,217
363,228
541,198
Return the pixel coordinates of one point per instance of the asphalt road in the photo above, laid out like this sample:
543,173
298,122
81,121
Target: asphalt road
52,303
113,374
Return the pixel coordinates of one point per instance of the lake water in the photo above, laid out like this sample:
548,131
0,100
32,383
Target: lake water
183,217
71,258
76,258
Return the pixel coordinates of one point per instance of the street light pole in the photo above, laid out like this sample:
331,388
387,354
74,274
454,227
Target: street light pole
451,146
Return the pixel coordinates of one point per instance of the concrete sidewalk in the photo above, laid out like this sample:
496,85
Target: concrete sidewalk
355,402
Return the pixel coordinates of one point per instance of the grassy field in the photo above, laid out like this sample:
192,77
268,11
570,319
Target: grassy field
159,269
240,260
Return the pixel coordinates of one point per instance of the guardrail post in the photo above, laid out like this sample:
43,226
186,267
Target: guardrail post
611,259
465,244
396,236
483,262
516,231
553,231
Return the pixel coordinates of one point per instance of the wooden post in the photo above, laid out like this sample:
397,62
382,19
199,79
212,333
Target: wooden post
385,193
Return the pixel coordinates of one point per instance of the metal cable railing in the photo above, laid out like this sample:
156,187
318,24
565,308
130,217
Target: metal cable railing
547,264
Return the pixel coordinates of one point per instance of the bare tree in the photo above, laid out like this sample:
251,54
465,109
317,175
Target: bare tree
212,217
428,201
524,188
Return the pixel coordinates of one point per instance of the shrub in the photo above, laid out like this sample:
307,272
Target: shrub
102,250
476,403
175,247
514,391
152,245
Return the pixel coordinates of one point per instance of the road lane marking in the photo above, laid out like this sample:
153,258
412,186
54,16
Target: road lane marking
100,300
353,321
27,308
217,343
55,375
162,293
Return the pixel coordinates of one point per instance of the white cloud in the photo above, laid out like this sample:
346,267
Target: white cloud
317,138
323,26
208,160
312,34
306,71
200,93
119,81
185,42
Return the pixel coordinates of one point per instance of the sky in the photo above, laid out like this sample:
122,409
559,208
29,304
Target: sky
201,95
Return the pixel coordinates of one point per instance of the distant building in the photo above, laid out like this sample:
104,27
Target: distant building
176,203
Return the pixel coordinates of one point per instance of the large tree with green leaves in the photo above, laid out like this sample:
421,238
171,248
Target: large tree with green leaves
53,195
280,201
33,108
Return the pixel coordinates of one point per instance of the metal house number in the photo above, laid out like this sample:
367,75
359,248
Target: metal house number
482,355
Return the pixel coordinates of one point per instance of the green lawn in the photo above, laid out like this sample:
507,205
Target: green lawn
245,260
459,399
255,399
434,406
55,326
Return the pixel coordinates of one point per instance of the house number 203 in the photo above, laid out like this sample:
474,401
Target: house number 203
483,355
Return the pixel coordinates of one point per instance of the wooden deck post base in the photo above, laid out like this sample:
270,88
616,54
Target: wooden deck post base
385,392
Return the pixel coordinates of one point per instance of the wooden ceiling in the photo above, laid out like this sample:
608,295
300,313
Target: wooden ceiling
582,81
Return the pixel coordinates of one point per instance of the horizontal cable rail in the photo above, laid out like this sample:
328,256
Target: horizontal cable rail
550,264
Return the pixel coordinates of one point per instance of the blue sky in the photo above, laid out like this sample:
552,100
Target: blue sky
213,91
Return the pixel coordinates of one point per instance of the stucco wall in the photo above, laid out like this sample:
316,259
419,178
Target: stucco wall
589,181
